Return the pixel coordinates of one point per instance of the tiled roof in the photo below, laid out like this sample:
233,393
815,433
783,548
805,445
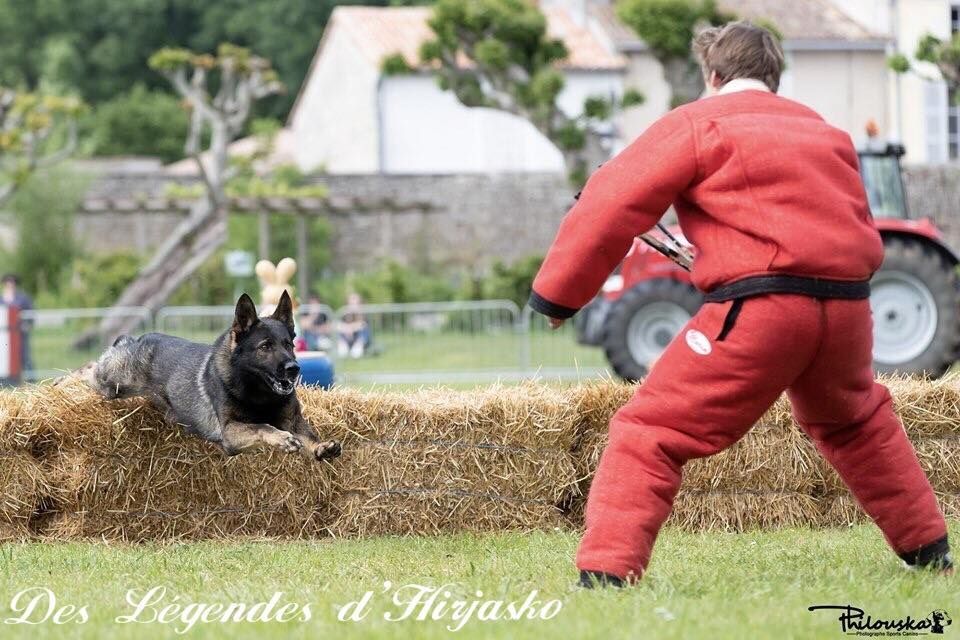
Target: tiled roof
797,20
382,31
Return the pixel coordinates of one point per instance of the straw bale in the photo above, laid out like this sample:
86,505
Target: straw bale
528,415
22,485
841,509
374,513
743,511
524,473
430,461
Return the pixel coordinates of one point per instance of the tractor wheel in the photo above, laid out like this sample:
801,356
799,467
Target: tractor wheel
643,322
915,301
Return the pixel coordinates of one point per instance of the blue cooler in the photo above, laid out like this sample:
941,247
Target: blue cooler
316,369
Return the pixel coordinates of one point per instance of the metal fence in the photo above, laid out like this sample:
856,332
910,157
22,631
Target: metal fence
433,342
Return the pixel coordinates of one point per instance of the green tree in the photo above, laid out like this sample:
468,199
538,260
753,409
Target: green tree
141,121
943,54
220,90
43,211
110,41
36,131
497,54
668,28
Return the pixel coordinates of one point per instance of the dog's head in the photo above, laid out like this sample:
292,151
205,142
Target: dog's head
262,348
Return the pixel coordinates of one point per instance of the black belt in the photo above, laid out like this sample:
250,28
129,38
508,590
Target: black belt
813,287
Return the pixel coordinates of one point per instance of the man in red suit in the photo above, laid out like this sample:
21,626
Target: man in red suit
771,197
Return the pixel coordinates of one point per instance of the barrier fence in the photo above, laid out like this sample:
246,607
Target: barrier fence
429,342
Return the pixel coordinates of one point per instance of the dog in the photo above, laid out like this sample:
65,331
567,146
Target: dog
238,393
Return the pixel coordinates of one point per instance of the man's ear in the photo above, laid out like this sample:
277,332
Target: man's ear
715,81
245,316
284,310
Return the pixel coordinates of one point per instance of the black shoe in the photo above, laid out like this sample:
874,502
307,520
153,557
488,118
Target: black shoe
934,556
597,579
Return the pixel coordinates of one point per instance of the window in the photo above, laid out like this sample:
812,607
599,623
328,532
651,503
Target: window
953,125
953,107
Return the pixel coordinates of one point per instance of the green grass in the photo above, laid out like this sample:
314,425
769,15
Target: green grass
754,585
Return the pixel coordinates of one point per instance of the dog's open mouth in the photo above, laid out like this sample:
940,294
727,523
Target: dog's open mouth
281,386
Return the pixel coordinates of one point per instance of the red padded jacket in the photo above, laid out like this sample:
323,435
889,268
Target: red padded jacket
761,185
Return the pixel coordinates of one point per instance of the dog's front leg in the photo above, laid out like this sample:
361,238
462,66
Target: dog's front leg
313,447
239,437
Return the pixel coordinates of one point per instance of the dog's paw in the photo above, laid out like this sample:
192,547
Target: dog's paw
289,443
327,450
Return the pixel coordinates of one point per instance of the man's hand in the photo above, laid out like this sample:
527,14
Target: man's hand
556,323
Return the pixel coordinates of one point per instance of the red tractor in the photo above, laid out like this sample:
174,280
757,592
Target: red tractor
915,295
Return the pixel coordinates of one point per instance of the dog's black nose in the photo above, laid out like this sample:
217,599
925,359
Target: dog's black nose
291,369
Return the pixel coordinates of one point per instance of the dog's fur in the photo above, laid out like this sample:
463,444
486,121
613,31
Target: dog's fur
239,393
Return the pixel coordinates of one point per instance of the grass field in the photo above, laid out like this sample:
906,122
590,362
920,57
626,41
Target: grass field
755,585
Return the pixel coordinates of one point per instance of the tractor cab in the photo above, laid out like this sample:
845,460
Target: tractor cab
883,180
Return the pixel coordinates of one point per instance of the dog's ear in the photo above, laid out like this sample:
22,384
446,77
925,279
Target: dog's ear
284,310
245,316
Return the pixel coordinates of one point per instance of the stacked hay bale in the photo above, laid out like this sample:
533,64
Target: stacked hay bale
22,481
439,460
118,472
414,463
429,462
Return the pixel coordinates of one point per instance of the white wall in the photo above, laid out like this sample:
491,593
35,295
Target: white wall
875,15
645,75
426,130
847,88
335,123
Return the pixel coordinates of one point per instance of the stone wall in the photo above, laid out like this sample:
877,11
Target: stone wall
470,220
934,192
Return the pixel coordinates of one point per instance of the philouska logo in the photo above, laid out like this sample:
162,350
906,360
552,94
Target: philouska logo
855,621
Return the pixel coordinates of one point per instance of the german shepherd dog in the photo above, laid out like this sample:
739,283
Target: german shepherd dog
238,393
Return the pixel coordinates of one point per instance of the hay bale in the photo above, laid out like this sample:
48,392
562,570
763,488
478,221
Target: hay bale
515,472
841,509
23,482
743,511
121,473
528,415
375,513
928,408
425,462
22,487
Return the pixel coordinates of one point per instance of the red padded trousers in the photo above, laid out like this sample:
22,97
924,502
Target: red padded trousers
704,394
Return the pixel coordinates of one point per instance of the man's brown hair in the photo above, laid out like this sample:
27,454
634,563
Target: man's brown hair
740,50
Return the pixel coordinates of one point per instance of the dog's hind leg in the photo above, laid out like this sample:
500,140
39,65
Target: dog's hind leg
118,372
240,437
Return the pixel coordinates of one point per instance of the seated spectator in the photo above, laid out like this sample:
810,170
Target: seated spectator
353,331
316,325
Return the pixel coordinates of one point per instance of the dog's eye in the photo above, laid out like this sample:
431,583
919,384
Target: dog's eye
265,345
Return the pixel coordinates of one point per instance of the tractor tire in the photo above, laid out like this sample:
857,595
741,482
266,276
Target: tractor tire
915,299
643,321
